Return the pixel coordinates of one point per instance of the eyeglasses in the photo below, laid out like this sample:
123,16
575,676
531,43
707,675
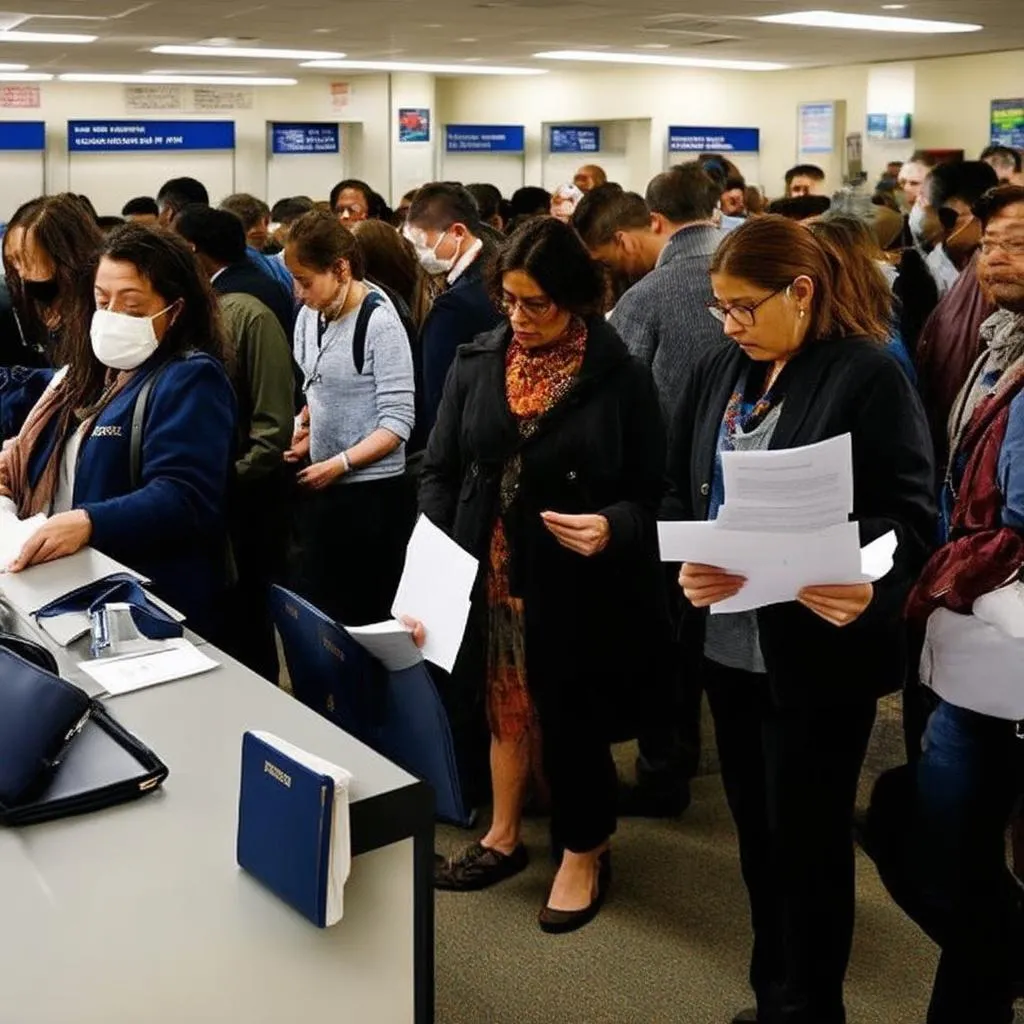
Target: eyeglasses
989,246
534,309
742,315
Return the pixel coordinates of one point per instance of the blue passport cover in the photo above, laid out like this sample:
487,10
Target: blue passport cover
284,827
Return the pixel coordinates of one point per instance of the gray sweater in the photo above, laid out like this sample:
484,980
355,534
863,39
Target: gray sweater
345,408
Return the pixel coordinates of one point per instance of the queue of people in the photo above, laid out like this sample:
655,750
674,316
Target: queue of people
545,379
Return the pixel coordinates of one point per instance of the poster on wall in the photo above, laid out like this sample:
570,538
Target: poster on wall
341,94
413,124
153,97
21,97
891,127
221,98
817,127
1008,123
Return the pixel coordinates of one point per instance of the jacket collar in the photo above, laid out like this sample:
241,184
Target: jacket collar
689,241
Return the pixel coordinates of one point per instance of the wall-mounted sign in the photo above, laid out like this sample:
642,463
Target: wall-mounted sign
817,127
154,97
575,139
22,135
485,138
143,136
413,124
889,126
304,138
341,94
1008,123
714,140
215,97
20,96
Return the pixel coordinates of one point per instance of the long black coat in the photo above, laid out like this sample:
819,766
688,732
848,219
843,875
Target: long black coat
595,627
831,387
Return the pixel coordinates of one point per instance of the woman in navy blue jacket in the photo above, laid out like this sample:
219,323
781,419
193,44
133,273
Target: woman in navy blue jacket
156,319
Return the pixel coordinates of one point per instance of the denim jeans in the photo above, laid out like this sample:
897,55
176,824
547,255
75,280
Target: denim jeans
958,885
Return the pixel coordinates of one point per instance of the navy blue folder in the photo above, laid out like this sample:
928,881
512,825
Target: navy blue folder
288,835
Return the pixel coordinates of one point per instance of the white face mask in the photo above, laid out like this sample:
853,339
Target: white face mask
123,342
427,255
916,221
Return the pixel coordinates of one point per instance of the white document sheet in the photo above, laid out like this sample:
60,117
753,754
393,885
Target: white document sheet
178,660
340,851
13,534
389,642
36,587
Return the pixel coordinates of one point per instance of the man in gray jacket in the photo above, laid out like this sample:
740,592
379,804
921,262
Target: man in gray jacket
664,244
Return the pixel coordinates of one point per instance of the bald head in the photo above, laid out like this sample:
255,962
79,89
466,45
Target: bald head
589,177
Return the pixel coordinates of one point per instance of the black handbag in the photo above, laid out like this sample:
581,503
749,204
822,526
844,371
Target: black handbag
61,752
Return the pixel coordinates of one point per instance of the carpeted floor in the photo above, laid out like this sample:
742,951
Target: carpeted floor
671,945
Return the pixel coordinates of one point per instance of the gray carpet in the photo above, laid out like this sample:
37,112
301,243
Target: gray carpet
671,945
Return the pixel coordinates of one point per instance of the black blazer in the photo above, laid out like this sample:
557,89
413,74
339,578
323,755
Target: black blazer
831,387
248,279
596,627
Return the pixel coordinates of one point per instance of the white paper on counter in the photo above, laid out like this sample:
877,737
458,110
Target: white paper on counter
179,660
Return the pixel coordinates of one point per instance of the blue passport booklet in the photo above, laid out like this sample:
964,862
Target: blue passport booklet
293,825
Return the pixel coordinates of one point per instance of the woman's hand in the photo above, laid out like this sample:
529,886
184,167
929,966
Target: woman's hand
416,629
705,585
841,604
586,535
59,536
321,474
299,450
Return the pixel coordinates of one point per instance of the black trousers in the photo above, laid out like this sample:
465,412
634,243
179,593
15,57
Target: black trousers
351,540
790,776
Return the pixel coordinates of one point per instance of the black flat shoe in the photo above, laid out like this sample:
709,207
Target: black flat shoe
561,922
477,868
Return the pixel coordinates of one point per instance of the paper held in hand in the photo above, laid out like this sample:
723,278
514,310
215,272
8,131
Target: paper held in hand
783,525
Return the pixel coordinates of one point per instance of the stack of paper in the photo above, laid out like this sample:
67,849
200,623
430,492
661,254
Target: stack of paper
176,659
435,589
784,525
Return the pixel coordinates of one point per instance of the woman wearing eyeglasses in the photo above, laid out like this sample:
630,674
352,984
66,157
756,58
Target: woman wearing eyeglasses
793,686
546,463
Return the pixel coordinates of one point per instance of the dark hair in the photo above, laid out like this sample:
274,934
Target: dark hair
811,171
996,200
800,207
319,241
390,259
922,157
109,223
488,200
852,244
87,205
967,180
181,192
1004,155
61,227
553,255
248,209
216,234
734,184
684,194
439,205
771,252
167,263
606,210
286,211
530,201
353,183
719,167
753,199
141,206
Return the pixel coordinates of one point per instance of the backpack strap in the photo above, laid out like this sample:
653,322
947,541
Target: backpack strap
370,303
138,425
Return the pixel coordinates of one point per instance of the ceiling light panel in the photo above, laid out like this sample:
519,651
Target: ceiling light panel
99,79
254,52
868,22
602,57
24,76
15,36
431,69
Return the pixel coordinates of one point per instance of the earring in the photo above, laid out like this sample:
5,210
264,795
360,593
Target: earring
803,313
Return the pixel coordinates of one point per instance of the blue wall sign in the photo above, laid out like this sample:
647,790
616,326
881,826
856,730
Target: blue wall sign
889,126
575,139
142,136
304,138
23,135
485,138
714,140
1008,123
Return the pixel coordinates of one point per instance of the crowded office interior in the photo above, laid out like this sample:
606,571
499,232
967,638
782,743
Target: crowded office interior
512,513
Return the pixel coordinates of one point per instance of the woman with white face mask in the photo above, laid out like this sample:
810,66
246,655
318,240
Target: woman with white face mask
161,514
349,442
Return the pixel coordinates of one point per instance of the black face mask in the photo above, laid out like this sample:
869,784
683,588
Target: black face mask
43,292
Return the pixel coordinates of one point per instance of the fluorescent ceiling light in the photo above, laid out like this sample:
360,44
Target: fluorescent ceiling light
44,37
13,67
868,22
254,52
432,69
177,79
604,57
24,76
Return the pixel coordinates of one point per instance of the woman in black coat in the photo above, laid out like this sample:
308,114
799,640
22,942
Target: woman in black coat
546,463
793,687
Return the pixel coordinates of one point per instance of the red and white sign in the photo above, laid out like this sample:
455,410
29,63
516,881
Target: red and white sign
341,92
21,96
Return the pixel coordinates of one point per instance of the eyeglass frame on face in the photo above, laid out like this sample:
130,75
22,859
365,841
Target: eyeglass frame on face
989,245
509,304
722,313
